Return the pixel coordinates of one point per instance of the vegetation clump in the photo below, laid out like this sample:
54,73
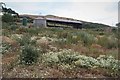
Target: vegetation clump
29,55
68,57
87,39
8,18
26,40
5,48
108,42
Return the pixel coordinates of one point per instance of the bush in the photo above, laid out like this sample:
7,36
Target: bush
29,55
72,39
67,57
6,32
87,62
26,40
8,18
103,61
62,34
5,48
62,57
71,58
51,58
5,25
9,26
13,27
33,31
87,39
112,42
108,42
108,62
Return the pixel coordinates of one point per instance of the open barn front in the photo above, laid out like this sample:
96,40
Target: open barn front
61,24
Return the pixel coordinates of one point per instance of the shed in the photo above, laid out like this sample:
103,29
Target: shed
57,22
39,22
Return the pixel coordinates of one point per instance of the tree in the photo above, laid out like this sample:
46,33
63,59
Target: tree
8,18
9,10
9,15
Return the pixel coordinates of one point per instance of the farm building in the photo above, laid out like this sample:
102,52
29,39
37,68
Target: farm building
56,22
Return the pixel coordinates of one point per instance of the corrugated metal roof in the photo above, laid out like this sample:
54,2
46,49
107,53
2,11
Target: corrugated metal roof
58,19
39,18
63,20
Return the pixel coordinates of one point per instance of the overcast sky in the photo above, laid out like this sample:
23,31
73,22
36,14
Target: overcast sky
100,11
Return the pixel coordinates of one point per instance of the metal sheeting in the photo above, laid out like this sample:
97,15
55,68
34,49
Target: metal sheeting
39,18
61,20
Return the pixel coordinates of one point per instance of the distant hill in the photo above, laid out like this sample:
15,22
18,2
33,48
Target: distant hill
90,25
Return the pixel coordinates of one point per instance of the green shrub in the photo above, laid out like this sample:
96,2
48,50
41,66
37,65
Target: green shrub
33,31
108,42
72,39
5,48
51,58
67,58
103,61
62,34
6,32
86,62
71,58
112,43
8,18
69,38
102,41
29,55
87,39
5,25
13,27
26,40
62,57
108,62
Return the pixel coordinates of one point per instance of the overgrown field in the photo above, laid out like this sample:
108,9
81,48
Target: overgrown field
59,53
